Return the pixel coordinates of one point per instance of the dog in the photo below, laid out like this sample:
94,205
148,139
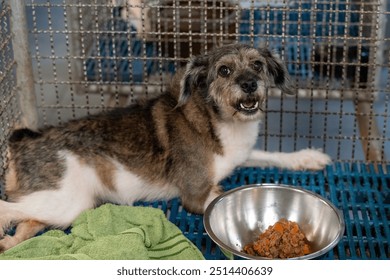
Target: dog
180,144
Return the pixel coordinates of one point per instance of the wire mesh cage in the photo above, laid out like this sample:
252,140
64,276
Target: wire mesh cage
95,55
89,56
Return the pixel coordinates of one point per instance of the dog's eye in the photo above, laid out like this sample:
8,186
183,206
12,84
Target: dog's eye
224,71
257,65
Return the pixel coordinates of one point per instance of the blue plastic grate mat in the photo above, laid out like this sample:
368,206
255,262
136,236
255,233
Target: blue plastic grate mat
123,57
359,190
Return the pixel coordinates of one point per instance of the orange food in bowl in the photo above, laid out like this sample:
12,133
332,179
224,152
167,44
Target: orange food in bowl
282,240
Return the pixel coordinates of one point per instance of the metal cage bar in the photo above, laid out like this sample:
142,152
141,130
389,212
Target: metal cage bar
9,107
25,77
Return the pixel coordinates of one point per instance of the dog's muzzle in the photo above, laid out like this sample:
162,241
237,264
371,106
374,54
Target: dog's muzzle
251,103
248,106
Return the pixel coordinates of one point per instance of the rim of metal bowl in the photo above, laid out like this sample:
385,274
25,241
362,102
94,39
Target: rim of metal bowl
206,221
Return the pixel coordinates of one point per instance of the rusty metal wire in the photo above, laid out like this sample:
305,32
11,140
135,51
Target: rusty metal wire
9,112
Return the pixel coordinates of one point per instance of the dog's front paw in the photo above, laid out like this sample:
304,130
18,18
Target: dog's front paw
310,159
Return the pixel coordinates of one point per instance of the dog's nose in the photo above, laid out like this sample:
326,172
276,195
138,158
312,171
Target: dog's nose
248,86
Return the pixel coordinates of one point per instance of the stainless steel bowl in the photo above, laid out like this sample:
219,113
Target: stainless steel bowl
237,217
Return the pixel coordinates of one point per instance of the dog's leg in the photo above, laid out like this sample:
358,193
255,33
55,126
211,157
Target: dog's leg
198,202
8,216
307,159
214,193
24,231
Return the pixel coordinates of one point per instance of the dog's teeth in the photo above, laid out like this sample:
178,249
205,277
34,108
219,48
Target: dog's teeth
252,107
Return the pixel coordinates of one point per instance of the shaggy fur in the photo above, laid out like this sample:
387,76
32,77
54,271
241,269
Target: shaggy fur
182,143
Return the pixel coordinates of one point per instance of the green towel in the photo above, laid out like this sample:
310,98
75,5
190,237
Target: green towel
111,232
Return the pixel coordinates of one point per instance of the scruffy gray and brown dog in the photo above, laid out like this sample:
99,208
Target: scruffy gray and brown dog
182,143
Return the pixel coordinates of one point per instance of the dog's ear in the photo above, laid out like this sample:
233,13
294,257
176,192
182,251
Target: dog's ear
194,76
278,71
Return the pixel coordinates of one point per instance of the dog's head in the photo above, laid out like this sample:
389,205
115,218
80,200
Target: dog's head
234,78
